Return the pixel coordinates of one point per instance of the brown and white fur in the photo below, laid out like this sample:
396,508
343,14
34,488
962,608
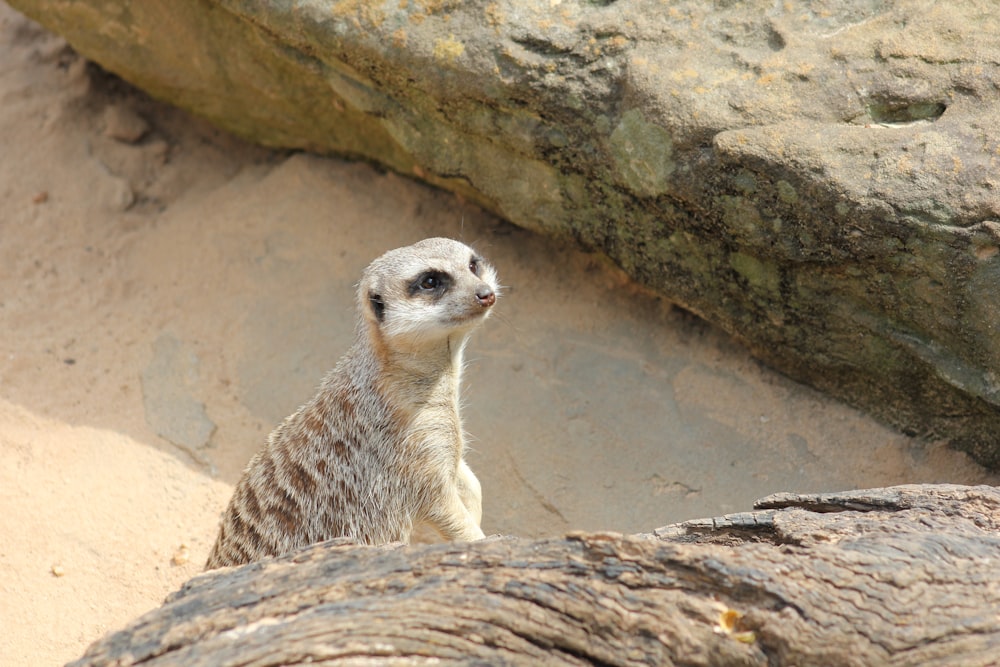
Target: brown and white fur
380,448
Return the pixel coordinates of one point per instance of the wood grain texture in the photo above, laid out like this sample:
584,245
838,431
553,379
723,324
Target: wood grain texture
906,575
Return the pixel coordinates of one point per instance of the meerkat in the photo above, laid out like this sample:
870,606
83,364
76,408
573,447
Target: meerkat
380,448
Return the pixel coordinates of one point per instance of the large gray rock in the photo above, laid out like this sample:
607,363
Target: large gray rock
818,178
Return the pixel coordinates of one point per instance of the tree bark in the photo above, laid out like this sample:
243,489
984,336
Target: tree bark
907,575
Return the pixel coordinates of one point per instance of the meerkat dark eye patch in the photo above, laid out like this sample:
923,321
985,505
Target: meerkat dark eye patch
378,306
430,282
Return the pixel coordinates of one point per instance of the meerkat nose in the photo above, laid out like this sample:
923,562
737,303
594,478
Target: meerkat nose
485,296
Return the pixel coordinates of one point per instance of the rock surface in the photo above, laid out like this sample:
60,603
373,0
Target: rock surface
168,384
817,178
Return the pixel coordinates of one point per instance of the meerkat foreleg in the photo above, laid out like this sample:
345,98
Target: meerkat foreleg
470,491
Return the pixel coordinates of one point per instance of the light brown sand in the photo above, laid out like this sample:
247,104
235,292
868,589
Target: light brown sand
164,303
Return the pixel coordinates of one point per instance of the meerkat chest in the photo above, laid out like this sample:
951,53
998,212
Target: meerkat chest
433,440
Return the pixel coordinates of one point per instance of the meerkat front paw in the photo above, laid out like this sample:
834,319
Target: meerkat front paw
455,522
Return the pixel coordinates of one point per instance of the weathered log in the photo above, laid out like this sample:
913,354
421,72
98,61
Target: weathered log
907,575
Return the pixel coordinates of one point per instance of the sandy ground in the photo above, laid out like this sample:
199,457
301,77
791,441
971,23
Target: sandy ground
168,294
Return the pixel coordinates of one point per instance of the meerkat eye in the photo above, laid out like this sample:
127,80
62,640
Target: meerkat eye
378,306
431,281
474,266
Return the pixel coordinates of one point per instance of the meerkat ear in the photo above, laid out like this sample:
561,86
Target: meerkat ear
378,306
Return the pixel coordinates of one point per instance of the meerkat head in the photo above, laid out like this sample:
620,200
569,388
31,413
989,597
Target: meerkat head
427,292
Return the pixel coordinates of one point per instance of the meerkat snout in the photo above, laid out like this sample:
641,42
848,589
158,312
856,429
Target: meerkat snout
486,296
380,448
